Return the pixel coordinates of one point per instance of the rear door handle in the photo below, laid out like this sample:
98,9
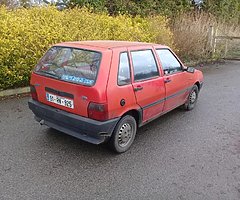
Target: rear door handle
167,80
138,88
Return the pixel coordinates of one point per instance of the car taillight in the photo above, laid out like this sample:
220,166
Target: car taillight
33,92
97,111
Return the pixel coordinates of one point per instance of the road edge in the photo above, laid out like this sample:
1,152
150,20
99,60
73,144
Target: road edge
10,92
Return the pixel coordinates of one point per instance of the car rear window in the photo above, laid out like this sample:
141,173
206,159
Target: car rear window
74,65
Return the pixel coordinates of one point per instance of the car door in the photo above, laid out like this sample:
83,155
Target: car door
148,85
176,79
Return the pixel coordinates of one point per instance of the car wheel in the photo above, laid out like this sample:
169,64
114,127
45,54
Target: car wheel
192,99
123,134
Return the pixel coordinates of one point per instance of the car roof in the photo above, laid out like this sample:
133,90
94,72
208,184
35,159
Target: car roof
107,44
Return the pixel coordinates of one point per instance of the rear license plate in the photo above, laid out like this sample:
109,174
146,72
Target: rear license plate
59,100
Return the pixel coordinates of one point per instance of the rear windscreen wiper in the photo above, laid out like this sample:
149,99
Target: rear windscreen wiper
49,74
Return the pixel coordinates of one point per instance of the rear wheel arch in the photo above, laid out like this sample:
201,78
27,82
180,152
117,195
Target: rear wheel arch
123,134
136,114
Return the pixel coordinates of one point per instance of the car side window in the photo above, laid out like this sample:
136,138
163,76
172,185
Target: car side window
170,64
124,70
144,65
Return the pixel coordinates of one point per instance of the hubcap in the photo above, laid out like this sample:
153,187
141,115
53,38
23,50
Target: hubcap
125,135
193,97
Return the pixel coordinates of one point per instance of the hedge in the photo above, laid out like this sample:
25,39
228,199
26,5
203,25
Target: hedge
25,34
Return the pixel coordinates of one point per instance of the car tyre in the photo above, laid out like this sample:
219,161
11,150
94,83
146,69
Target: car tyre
192,98
123,134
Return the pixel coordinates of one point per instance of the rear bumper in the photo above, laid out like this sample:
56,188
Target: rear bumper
86,129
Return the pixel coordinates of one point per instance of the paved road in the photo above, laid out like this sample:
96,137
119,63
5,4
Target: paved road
182,155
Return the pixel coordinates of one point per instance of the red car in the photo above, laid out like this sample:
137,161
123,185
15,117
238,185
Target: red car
103,91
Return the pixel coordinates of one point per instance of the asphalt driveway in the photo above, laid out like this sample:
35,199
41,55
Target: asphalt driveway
181,155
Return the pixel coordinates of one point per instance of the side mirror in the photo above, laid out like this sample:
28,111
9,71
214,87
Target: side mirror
190,69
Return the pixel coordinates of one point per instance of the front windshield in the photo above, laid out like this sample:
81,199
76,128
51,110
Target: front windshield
70,64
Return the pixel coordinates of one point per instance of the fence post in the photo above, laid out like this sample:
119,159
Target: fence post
211,37
215,40
226,48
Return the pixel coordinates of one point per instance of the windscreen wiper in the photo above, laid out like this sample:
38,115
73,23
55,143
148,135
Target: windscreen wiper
49,74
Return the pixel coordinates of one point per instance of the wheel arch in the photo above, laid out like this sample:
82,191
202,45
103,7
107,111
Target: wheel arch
137,114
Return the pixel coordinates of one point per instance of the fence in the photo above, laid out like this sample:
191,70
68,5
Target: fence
226,46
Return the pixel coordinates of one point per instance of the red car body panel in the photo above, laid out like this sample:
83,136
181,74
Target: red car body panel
158,95
116,93
95,93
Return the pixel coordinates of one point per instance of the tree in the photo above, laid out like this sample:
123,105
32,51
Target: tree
25,3
9,3
225,9
133,7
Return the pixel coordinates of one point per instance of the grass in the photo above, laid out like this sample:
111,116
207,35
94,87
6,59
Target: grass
191,37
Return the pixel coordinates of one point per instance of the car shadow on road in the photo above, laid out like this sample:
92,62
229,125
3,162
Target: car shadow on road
74,145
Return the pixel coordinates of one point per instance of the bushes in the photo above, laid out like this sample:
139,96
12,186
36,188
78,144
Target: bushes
227,10
191,35
25,34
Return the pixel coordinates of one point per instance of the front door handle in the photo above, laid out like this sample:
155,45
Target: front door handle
138,88
167,80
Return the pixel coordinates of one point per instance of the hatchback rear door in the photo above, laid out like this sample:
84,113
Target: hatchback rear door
70,78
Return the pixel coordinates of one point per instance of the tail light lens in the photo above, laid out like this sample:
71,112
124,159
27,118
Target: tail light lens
33,92
97,111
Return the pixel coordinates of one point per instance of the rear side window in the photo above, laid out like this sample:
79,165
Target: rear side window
144,65
170,64
70,64
124,70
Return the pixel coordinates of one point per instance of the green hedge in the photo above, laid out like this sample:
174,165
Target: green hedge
25,34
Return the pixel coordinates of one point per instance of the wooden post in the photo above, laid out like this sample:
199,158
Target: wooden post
215,40
226,48
211,37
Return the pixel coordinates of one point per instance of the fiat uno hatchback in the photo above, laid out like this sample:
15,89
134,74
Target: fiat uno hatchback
103,91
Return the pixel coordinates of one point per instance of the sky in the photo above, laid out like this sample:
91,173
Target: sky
198,1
